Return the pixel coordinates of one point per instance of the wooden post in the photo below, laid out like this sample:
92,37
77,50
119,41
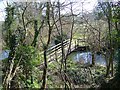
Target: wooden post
55,55
75,44
70,45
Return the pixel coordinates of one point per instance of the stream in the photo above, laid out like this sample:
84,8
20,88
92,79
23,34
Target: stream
4,54
86,58
82,57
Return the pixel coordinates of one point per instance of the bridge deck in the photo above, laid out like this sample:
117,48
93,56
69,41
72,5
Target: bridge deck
55,53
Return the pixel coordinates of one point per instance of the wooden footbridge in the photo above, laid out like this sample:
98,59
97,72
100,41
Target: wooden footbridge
54,53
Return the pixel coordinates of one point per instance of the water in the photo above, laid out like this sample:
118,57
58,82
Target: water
86,57
83,57
4,54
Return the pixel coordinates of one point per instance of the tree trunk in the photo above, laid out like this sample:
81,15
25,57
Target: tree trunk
46,46
44,72
93,59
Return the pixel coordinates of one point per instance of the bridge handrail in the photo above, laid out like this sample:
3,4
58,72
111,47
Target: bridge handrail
56,47
52,54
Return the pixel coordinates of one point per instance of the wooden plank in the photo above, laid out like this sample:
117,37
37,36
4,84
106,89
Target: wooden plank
57,47
55,52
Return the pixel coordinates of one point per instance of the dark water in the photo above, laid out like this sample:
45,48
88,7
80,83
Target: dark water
86,57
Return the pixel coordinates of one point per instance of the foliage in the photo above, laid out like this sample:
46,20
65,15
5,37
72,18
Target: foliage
30,59
21,27
8,27
29,56
58,38
84,75
113,38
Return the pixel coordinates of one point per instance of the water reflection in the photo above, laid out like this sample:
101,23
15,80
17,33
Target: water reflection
86,57
4,54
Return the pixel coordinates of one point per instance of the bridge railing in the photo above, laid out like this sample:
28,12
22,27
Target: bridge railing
58,46
80,42
55,52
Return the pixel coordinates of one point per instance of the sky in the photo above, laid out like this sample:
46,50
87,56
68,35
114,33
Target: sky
2,9
88,5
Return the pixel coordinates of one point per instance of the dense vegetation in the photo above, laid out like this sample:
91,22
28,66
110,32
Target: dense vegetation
29,31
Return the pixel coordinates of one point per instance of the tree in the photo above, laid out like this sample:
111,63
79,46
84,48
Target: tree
11,44
21,60
107,9
116,20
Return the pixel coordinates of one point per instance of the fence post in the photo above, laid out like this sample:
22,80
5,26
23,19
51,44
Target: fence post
55,54
75,44
70,45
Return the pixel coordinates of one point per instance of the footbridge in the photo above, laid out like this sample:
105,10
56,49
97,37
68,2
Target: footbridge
54,53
